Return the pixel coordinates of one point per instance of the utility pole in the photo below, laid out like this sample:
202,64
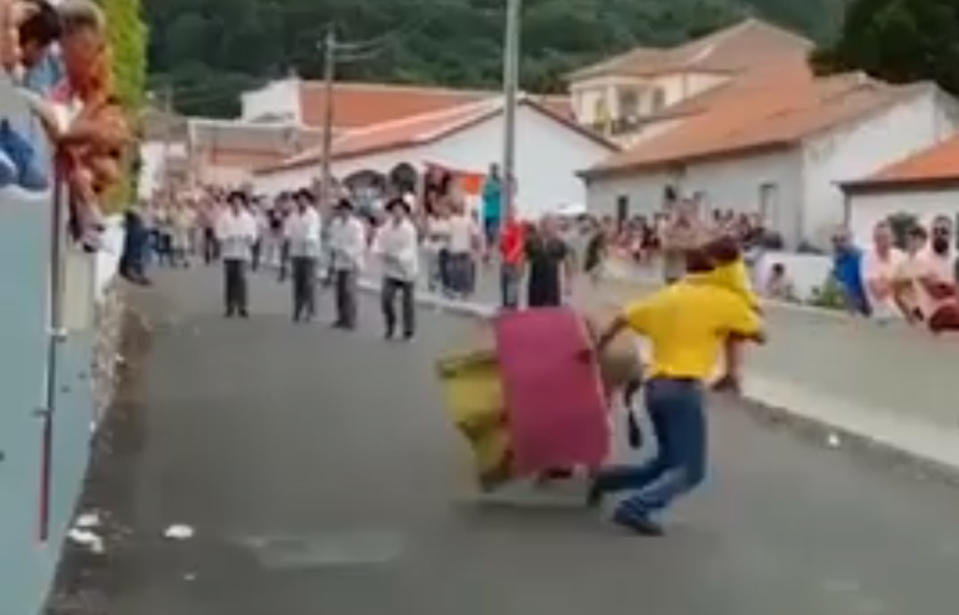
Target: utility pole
167,139
511,55
329,74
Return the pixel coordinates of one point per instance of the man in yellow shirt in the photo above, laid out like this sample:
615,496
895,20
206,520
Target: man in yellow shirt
687,324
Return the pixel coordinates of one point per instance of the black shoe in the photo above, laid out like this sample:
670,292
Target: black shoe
388,335
408,336
594,497
244,314
637,524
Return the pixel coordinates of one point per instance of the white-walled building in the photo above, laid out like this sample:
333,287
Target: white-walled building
359,104
640,94
777,146
550,149
925,185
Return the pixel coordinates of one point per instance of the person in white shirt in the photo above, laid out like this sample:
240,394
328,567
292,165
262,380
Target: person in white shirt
236,232
347,248
436,247
879,271
465,236
303,229
396,246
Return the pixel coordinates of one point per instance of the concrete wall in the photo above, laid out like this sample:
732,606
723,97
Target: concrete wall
867,209
27,565
274,99
857,150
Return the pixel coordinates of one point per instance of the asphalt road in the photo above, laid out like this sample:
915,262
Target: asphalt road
321,476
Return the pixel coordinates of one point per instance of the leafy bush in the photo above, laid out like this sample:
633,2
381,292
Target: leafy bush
828,296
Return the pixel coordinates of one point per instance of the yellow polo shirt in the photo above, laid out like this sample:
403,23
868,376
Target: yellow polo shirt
687,324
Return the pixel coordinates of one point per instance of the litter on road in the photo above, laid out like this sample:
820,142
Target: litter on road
88,539
178,531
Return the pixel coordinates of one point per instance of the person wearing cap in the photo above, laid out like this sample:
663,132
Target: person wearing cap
396,246
303,233
236,232
347,246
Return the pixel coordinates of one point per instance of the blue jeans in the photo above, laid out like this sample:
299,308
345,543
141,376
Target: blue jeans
676,408
510,275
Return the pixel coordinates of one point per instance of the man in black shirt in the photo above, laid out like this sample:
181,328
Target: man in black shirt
546,254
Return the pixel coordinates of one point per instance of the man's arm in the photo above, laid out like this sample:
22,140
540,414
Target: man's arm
936,288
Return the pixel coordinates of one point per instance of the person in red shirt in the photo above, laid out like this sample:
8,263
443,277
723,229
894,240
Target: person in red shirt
512,247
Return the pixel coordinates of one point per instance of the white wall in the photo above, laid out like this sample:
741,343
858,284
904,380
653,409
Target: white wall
275,98
732,183
860,149
869,208
548,155
151,169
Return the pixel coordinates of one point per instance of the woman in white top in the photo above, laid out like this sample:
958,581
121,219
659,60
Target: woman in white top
465,237
436,247
396,246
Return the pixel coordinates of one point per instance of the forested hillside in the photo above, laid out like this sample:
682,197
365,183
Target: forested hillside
208,50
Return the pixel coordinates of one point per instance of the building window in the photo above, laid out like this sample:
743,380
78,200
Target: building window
769,203
622,210
659,100
628,104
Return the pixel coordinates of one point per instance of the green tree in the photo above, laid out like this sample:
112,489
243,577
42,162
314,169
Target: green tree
898,40
128,42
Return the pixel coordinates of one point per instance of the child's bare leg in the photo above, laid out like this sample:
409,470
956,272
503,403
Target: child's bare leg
732,364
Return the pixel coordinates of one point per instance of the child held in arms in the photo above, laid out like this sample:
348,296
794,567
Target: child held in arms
729,272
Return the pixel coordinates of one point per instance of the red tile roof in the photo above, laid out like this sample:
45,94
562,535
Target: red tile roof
363,104
775,107
424,128
740,47
936,165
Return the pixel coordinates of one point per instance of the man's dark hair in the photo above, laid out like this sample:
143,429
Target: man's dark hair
306,194
698,260
722,250
918,232
43,27
237,195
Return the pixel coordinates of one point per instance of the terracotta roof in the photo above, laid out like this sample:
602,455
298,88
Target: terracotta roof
423,129
238,158
363,104
775,108
936,165
743,46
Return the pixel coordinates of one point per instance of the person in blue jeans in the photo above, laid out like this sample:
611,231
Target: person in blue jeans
688,324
